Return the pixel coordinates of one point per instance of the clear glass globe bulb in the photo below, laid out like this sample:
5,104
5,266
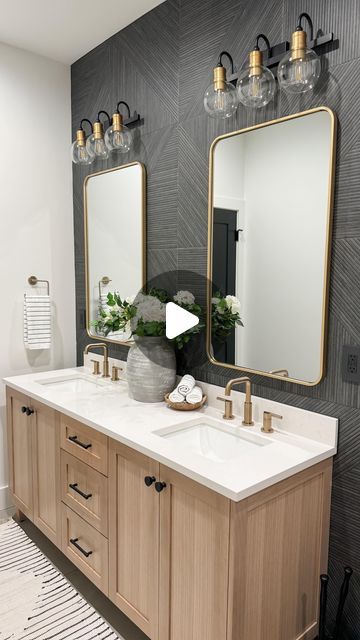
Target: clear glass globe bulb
97,147
120,140
80,154
298,75
256,90
222,103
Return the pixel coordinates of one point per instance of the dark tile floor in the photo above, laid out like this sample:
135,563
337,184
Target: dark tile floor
122,625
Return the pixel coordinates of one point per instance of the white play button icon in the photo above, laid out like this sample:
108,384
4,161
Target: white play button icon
178,320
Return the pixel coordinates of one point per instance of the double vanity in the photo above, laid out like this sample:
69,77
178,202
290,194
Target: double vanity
207,525
194,526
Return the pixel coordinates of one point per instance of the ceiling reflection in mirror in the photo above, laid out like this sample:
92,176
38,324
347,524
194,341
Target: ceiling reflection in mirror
270,207
114,209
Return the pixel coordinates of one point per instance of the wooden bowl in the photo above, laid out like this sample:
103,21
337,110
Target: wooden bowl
184,406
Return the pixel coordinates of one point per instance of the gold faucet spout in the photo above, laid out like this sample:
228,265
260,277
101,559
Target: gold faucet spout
100,345
248,421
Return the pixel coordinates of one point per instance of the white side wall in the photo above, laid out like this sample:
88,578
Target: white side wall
36,222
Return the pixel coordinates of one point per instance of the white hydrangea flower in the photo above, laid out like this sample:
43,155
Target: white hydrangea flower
130,299
149,309
233,304
184,297
215,301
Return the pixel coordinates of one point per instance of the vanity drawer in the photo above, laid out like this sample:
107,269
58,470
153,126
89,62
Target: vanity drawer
85,547
85,491
84,443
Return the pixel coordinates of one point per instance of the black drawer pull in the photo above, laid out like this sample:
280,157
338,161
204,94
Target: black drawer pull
159,486
74,487
149,480
75,440
27,410
74,541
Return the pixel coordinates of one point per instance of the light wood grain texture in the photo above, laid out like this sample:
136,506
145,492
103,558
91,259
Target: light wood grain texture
96,455
46,470
194,557
278,548
94,509
134,537
95,567
19,438
185,562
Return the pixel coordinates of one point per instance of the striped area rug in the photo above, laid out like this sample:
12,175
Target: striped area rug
36,601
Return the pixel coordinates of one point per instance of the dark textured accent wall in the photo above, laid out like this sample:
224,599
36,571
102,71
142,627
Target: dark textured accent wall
161,65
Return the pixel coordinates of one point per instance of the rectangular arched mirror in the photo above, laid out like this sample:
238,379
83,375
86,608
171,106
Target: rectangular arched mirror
270,218
115,241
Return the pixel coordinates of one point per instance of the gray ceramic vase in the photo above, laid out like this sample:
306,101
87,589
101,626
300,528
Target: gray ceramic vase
151,369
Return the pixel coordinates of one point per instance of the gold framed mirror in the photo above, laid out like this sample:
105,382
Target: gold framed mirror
269,238
115,242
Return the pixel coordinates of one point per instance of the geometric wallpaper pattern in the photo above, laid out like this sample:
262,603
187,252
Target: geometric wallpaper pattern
161,65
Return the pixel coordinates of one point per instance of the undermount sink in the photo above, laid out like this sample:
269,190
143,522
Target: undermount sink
212,440
74,383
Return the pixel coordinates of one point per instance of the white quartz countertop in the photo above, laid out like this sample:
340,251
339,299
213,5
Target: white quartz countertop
108,409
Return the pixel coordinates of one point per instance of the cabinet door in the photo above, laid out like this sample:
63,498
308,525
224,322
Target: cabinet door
46,470
19,433
134,537
194,556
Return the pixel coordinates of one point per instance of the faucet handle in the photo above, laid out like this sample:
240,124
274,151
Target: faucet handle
115,373
267,421
96,367
228,415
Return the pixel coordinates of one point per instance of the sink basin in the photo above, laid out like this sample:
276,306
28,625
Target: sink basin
75,383
212,440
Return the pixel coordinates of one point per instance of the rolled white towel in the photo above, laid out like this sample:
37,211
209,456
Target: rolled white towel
195,395
186,384
175,396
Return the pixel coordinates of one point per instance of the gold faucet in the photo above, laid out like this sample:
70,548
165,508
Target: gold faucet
228,415
267,421
100,345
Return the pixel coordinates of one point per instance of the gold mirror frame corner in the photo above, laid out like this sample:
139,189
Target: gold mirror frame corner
330,214
126,343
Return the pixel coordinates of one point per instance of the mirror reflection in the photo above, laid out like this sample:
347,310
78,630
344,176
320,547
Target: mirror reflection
115,243
270,221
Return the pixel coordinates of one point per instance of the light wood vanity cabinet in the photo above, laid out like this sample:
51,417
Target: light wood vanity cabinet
178,559
134,536
194,560
45,464
33,446
19,441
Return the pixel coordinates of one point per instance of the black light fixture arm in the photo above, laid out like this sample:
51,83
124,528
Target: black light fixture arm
261,36
126,105
309,21
229,57
105,114
88,121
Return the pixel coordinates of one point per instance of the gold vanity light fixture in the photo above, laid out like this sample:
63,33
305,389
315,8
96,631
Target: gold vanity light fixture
300,68
118,136
256,83
95,144
79,153
220,98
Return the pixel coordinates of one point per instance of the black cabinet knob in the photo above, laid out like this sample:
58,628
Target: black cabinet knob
149,480
29,411
23,409
159,486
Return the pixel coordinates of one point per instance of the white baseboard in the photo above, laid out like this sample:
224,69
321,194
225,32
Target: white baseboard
5,500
